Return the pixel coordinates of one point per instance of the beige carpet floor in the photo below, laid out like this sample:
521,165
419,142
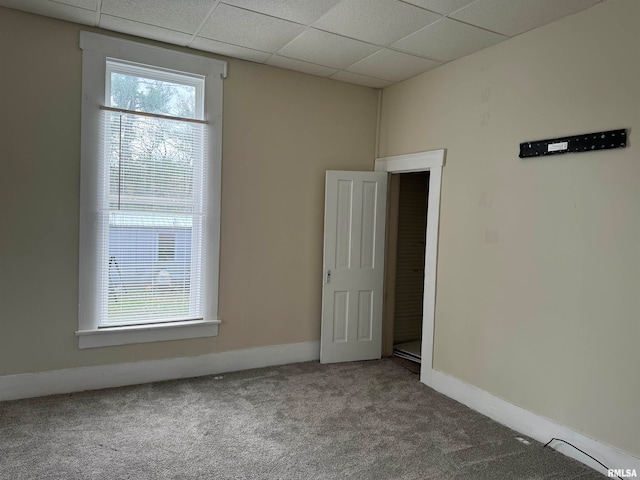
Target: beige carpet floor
364,420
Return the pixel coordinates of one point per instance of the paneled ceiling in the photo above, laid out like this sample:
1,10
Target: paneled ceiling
368,42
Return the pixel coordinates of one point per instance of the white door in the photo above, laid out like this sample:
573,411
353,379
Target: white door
354,229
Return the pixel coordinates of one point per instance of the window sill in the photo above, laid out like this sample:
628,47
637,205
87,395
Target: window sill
158,332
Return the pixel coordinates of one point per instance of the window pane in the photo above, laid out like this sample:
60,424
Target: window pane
166,247
142,94
154,197
150,276
153,163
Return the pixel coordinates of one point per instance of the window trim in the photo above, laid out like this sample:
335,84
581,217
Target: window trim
96,50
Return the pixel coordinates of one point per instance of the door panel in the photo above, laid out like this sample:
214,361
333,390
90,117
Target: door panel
352,294
343,224
365,315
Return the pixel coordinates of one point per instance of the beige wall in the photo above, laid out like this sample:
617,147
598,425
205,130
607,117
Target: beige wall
539,265
282,130
538,293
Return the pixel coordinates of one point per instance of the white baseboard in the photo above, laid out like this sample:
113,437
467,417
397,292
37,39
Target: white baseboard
531,424
13,387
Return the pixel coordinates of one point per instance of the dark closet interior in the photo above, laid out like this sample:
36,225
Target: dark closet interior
409,261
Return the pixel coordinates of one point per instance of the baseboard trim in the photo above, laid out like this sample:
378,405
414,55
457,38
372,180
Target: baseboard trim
13,387
531,424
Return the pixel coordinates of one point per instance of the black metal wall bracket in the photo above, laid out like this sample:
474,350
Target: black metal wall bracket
575,144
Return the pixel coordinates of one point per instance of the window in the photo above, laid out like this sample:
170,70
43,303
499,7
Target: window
150,193
167,246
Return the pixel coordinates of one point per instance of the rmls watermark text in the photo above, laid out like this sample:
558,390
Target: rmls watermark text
622,473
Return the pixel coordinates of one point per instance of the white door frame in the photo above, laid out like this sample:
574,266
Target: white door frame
432,162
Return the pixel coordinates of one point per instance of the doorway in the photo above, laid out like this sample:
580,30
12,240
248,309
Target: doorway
353,311
432,162
405,265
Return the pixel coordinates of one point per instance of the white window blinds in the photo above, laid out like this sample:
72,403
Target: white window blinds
152,213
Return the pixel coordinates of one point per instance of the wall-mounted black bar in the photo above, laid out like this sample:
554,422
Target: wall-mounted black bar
575,144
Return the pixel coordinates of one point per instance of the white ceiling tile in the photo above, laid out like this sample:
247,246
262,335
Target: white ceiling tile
346,35
249,29
445,7
301,11
360,79
53,9
87,4
300,66
229,50
392,66
122,25
512,17
447,40
183,16
327,49
375,21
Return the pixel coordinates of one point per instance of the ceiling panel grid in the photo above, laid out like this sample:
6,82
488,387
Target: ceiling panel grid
367,42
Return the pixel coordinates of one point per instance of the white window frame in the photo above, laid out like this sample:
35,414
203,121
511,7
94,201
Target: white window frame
96,49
